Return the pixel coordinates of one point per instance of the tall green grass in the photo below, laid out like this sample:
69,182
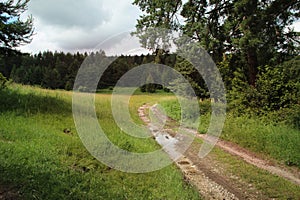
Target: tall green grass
173,110
42,162
278,141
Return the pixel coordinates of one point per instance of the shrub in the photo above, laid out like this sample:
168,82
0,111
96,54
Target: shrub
289,116
277,91
279,86
3,81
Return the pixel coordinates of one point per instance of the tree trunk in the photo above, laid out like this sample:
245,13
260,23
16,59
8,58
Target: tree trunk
252,65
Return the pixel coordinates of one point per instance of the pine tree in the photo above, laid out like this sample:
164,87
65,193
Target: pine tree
13,31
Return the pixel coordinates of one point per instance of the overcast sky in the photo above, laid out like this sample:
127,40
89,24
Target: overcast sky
74,25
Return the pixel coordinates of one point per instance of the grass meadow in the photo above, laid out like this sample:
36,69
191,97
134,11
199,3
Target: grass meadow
42,162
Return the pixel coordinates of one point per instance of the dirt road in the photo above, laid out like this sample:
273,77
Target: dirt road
207,174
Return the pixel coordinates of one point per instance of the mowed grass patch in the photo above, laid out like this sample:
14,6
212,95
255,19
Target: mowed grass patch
42,162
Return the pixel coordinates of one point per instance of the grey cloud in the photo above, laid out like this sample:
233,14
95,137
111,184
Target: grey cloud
70,13
74,25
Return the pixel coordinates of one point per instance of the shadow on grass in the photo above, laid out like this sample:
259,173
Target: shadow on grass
13,100
53,183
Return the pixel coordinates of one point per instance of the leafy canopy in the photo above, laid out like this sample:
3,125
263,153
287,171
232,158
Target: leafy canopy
258,32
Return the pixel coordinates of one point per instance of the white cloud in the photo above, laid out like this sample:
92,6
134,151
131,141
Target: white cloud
70,13
68,25
296,26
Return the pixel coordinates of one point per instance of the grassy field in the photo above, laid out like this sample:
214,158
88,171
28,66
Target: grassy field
273,140
42,162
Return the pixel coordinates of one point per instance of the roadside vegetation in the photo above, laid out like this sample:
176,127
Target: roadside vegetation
265,118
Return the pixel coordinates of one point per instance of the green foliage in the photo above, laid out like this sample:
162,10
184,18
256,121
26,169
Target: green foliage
279,86
190,73
149,86
3,81
241,96
13,31
227,70
276,93
256,32
58,70
69,85
289,116
159,17
160,14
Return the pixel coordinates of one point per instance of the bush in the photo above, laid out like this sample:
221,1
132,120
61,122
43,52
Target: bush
3,81
288,116
277,91
243,99
279,86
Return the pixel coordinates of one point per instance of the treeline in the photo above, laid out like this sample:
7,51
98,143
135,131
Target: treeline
276,90
47,69
58,70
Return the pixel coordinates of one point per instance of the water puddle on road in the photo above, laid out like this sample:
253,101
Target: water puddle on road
174,146
168,143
